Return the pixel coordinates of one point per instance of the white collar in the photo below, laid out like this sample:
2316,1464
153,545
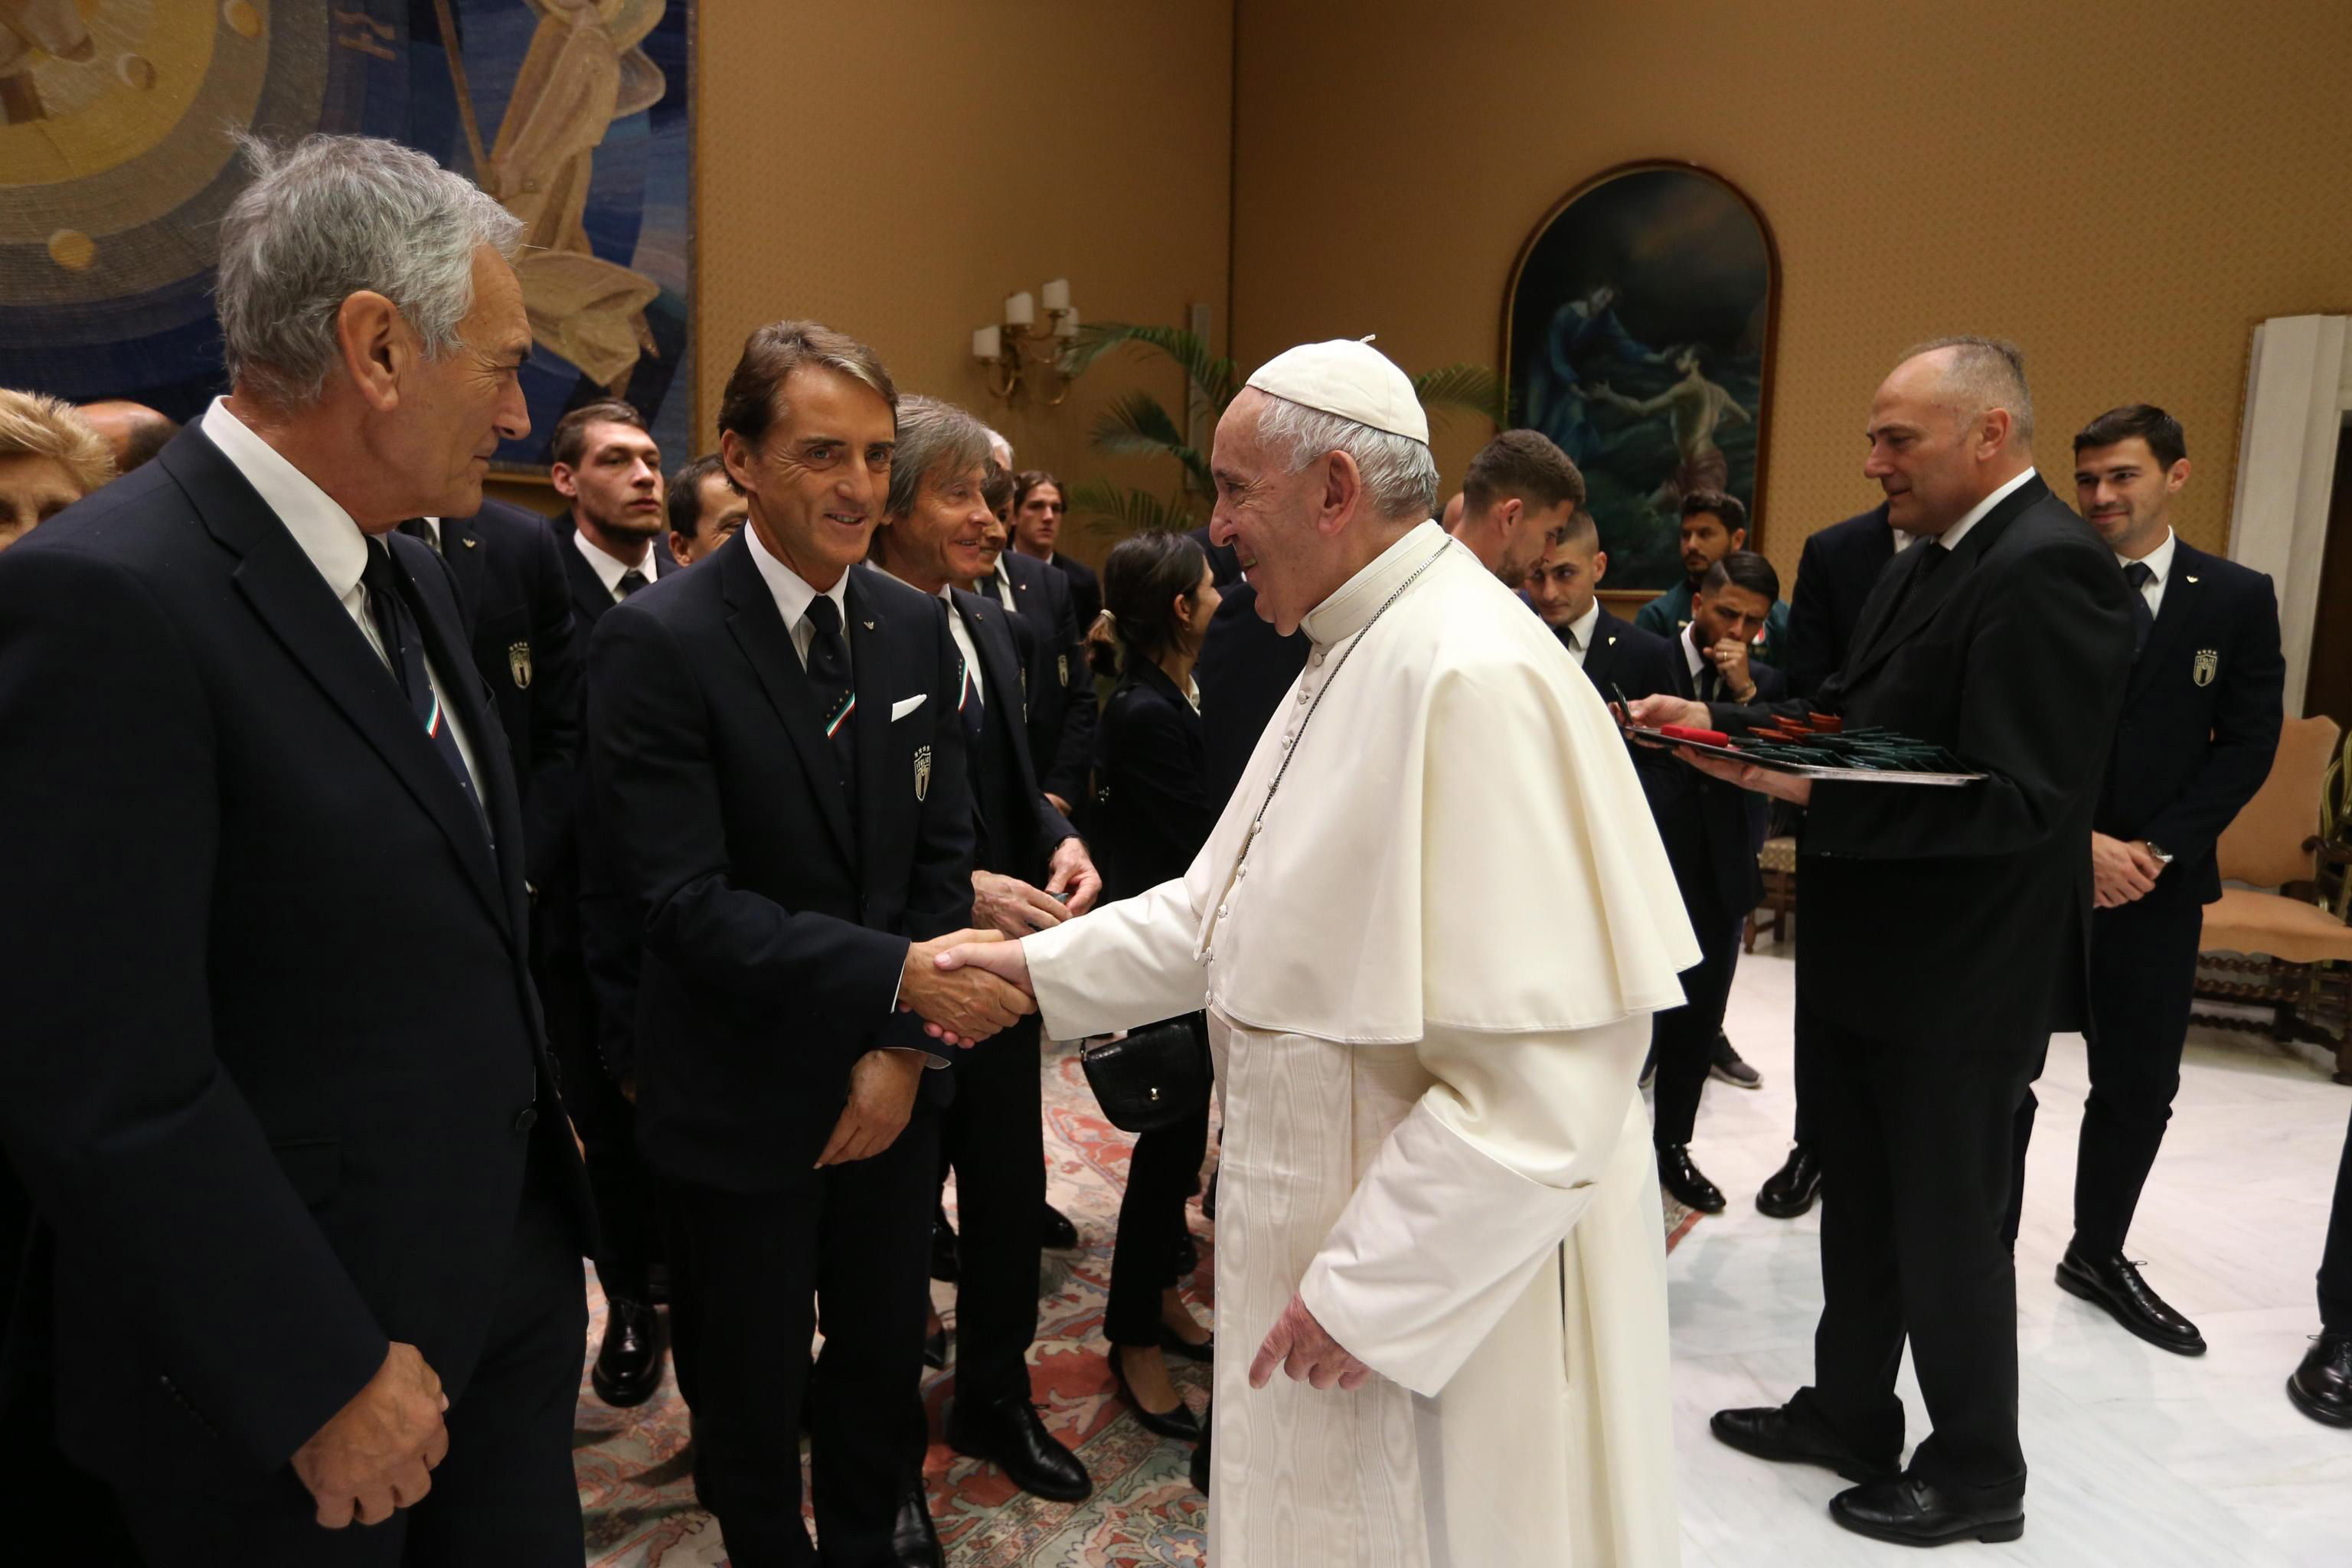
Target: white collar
793,593
1950,538
1691,655
335,544
2158,561
1582,627
946,595
610,569
1352,608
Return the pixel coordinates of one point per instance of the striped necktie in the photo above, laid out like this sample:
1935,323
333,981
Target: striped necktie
403,647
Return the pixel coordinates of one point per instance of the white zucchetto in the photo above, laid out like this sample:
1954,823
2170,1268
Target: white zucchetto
1349,378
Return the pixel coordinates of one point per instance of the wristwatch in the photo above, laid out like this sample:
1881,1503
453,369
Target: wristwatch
2163,856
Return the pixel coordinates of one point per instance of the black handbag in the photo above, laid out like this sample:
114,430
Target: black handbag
1155,1076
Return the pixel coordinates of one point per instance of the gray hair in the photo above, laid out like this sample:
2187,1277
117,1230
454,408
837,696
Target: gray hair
1986,373
327,217
1400,474
934,437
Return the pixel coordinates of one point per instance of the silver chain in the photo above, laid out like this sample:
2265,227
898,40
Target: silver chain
1258,821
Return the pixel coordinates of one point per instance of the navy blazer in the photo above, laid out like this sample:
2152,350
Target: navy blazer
1711,829
2200,718
775,916
2012,653
1835,571
1007,652
590,597
1061,688
275,1065
1154,809
511,584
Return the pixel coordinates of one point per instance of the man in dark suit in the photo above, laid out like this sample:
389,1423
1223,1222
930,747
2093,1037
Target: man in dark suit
1946,933
1030,870
1714,524
1061,692
2199,732
1039,509
705,510
779,732
279,1095
1835,571
1712,830
1519,492
1563,587
609,470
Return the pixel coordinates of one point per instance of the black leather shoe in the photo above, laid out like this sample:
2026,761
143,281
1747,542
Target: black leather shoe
1057,1231
914,1539
629,1364
2322,1386
1769,1432
1910,1511
1177,1423
935,1347
1009,1436
2114,1282
943,1248
1205,1351
1792,1188
1201,1454
1682,1181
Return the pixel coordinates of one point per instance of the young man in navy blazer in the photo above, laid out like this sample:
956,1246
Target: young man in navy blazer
278,1085
2199,729
779,733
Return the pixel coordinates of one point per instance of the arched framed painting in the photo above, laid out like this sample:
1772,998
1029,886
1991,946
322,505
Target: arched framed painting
1637,333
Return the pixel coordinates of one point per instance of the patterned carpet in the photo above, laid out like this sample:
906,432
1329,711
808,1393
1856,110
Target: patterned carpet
638,1495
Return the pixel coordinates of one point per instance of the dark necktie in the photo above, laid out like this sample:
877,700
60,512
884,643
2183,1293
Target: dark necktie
403,647
632,580
416,528
2139,575
837,699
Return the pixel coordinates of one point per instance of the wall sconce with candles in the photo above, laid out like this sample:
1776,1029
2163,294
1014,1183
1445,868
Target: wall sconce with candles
1013,350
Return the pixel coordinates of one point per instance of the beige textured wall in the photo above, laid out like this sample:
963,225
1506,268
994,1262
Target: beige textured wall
897,167
2126,190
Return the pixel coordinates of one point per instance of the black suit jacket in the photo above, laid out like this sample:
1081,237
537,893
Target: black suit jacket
276,1071
1835,571
1624,658
1154,809
1061,692
1085,588
511,584
1006,651
1246,668
775,917
589,598
2201,717
1960,917
1711,829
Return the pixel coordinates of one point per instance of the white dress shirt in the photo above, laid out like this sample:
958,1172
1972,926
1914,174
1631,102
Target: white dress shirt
330,538
1950,538
2160,561
1579,631
965,648
1004,592
794,595
609,569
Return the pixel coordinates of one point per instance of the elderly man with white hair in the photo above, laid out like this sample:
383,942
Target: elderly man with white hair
278,1087
1429,945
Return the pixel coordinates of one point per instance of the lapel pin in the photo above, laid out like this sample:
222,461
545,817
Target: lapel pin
2192,579
867,625
471,541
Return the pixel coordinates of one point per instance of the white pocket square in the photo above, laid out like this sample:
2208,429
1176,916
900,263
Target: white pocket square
906,705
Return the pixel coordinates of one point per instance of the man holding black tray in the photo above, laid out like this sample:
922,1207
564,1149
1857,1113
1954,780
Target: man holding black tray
1947,934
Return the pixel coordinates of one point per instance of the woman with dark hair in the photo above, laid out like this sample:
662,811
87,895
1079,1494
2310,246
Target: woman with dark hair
1039,505
1152,813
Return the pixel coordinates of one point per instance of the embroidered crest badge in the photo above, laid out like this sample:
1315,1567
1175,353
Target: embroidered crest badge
518,664
922,772
2208,665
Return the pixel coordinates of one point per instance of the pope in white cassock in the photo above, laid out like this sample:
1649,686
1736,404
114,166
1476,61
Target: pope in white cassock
1429,931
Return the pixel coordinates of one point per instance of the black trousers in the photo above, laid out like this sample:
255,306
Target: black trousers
1684,1036
753,1277
993,1133
2335,1263
504,1497
626,1207
1160,1177
1917,1161
2143,979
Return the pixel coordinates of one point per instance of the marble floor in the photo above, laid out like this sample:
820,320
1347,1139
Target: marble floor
2137,1456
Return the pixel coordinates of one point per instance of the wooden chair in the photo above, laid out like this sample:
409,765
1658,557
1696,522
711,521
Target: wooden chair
2289,949
1777,861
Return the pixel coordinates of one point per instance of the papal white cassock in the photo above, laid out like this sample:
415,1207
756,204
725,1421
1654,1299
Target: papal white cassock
1428,972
